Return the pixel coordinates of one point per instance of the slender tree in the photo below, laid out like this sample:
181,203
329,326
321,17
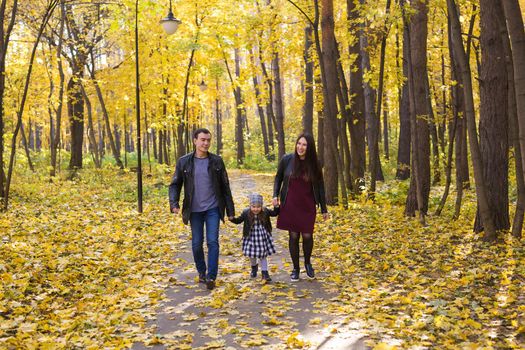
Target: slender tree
357,122
308,108
403,150
418,193
484,208
514,141
493,118
50,7
328,60
5,36
259,103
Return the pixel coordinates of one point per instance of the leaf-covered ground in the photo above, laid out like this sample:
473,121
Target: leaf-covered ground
81,269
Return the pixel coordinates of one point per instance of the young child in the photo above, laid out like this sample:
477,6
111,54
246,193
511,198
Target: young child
257,241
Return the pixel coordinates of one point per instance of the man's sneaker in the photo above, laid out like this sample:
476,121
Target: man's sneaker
294,276
253,274
210,284
266,276
202,277
309,271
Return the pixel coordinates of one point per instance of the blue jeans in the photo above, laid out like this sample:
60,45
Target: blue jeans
211,218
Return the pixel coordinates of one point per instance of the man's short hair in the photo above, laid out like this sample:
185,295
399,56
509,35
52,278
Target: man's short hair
199,131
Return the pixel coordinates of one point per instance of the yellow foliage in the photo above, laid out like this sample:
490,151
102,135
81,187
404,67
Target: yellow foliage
82,264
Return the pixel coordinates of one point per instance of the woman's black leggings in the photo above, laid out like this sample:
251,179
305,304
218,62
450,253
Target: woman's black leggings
293,244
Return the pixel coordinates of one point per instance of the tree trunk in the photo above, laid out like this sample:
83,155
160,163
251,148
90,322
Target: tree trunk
75,108
154,144
118,137
161,148
38,137
357,123
279,105
448,167
239,107
47,14
239,137
320,132
517,224
344,103
269,105
182,128
116,153
381,78
330,87
218,118
484,209
30,136
5,35
101,141
372,120
26,148
493,119
433,134
93,146
148,136
420,185
166,142
404,151
443,124
260,109
126,140
516,32
308,108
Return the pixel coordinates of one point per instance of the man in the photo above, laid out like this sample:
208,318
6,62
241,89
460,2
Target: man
207,195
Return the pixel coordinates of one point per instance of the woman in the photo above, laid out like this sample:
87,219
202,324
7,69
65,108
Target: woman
299,187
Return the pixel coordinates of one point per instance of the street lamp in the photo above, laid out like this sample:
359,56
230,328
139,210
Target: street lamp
170,23
137,108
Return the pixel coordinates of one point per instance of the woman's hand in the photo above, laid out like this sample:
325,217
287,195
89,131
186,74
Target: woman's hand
326,216
275,202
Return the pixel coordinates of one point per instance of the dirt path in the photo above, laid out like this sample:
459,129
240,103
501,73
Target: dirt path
247,313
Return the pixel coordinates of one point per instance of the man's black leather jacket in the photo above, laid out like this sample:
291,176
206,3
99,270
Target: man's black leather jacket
184,175
282,178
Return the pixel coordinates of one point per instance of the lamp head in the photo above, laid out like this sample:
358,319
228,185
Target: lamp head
170,23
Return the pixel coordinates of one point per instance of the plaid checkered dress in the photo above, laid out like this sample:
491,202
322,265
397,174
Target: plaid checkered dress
259,243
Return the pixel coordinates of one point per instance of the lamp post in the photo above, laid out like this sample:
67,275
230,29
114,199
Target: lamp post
170,25
137,108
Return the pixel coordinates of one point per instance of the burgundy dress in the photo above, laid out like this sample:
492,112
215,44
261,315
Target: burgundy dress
298,212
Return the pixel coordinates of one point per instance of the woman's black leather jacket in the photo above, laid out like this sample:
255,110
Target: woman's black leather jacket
282,179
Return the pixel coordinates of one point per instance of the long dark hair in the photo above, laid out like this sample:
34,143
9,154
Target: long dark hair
309,169
263,216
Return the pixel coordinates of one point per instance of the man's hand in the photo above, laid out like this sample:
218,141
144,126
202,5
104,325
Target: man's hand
326,216
275,202
230,218
175,210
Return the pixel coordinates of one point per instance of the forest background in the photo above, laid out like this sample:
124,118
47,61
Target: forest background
404,98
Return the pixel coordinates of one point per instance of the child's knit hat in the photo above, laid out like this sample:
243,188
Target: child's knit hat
256,199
